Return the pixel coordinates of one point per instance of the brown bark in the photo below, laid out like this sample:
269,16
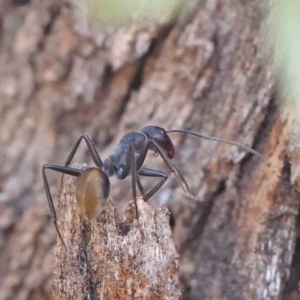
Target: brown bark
112,257
206,72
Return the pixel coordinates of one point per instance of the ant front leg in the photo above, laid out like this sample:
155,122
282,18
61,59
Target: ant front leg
92,150
174,170
151,173
64,170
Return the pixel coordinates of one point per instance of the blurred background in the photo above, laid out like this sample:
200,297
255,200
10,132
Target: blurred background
108,67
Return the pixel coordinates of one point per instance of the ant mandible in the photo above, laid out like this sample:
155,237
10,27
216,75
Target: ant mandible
93,185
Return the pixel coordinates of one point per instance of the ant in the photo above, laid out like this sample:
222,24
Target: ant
93,185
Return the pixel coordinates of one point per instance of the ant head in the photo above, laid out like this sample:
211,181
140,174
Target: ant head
161,137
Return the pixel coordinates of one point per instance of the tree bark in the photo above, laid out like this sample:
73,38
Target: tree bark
207,72
113,257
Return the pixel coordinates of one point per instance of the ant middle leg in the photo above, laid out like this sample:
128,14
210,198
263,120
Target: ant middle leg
151,173
134,181
92,150
64,170
133,177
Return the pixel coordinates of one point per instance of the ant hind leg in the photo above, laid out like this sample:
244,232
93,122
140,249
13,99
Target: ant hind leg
64,170
92,150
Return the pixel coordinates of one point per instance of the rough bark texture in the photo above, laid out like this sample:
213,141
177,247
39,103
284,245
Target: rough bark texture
112,257
206,72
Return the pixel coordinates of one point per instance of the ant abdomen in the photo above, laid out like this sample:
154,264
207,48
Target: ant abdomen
92,192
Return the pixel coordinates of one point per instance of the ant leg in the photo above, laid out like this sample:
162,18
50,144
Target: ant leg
174,170
151,173
133,181
92,150
141,188
64,170
133,177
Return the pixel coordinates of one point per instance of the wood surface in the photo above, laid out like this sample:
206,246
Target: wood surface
207,71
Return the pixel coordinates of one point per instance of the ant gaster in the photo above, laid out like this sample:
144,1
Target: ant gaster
93,185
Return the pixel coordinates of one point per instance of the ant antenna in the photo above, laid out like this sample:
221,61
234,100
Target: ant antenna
207,137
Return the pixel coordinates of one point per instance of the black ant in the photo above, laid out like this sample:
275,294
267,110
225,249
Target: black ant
93,185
